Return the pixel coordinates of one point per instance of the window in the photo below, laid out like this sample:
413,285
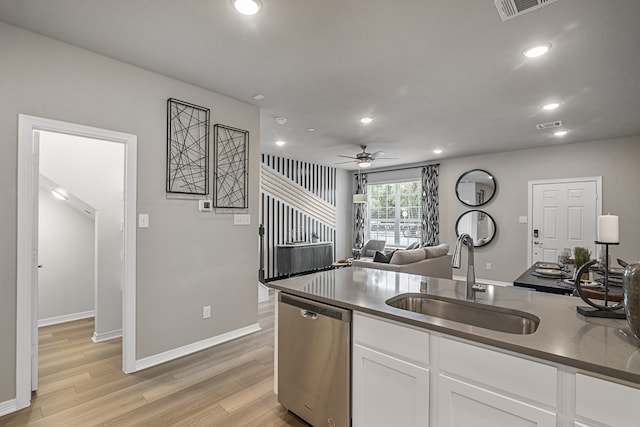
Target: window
395,212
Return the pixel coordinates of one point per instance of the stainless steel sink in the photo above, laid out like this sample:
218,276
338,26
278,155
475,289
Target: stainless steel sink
474,314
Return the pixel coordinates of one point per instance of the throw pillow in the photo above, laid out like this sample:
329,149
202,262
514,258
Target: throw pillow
413,246
383,258
436,251
407,257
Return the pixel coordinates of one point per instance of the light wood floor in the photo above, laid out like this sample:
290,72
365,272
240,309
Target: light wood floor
82,384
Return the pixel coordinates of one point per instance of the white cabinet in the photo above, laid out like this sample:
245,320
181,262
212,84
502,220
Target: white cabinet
462,404
481,387
390,382
606,403
406,376
388,391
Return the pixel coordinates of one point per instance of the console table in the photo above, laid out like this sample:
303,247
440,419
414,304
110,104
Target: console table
302,257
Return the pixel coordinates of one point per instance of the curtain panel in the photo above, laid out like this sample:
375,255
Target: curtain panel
430,206
359,211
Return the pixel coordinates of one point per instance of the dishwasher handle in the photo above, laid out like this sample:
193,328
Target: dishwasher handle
313,309
308,314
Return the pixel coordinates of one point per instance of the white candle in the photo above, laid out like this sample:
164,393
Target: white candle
608,229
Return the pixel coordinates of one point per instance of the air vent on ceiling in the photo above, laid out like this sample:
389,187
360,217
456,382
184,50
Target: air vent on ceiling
511,8
549,125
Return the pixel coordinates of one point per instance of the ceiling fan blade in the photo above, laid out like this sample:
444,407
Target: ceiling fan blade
347,157
376,154
388,158
348,161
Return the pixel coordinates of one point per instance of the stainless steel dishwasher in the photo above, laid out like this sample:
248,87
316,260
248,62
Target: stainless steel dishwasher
314,361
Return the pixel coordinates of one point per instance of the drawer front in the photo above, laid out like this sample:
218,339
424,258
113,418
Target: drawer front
532,380
606,402
402,341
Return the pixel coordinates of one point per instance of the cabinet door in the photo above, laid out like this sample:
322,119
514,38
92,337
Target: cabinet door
388,391
461,405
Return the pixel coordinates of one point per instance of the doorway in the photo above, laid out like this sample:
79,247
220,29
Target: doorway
563,213
28,174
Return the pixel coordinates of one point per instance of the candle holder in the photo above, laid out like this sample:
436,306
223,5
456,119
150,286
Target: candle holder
598,310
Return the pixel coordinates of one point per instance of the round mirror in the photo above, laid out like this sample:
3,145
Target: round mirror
476,187
477,224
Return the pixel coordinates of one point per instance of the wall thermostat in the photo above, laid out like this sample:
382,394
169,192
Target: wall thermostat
204,205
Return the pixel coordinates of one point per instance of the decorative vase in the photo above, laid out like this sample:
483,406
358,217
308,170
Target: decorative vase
631,280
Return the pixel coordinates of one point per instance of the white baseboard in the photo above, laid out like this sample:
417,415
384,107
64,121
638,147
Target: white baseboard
484,281
8,407
106,336
157,359
66,318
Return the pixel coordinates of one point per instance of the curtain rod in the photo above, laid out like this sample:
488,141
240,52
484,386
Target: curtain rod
396,169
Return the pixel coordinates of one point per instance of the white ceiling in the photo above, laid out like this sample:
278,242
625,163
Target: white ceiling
433,73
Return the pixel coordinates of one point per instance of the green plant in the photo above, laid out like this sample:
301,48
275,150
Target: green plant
582,255
314,235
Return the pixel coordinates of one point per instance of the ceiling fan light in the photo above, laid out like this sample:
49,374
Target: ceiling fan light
364,164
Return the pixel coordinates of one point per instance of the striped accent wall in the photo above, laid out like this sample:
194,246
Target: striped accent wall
295,195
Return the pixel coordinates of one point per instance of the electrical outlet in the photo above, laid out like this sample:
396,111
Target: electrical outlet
488,266
206,312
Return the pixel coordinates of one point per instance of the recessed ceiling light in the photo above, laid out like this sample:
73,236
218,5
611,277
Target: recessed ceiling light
59,194
560,133
437,151
258,97
247,7
311,129
537,50
280,143
366,120
281,120
551,106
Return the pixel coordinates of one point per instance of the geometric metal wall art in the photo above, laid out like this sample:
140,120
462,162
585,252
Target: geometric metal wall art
231,173
187,148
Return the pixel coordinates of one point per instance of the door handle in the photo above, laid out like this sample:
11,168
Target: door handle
309,314
40,266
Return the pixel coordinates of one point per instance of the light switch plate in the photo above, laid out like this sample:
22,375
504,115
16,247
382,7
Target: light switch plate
241,219
522,219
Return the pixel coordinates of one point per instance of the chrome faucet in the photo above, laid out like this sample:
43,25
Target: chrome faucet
472,286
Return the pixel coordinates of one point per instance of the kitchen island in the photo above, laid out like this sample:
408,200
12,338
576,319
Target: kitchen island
571,371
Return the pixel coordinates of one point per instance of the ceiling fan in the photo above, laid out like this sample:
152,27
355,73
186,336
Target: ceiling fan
365,159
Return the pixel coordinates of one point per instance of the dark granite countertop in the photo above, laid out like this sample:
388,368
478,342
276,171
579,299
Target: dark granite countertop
602,346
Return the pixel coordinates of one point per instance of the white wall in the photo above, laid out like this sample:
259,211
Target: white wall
615,160
185,259
344,217
93,171
66,253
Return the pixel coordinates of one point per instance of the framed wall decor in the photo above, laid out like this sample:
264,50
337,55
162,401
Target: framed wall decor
187,148
231,172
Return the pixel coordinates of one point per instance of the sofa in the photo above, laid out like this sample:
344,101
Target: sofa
434,261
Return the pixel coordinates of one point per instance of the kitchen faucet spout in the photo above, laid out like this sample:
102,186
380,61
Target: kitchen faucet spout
471,286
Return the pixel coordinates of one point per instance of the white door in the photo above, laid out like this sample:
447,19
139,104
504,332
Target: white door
563,214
